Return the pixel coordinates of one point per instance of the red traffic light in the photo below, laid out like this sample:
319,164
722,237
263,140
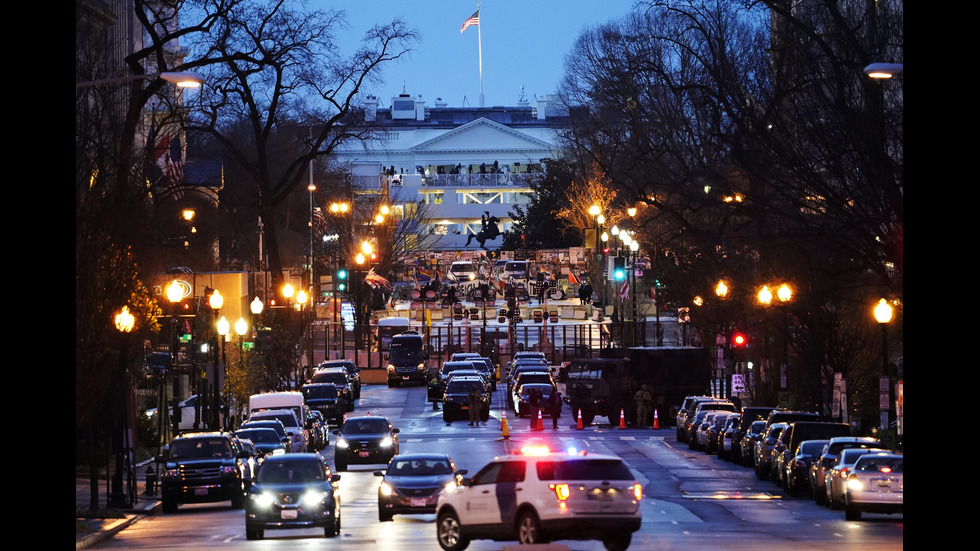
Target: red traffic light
739,339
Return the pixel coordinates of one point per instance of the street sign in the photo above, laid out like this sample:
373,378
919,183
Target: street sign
738,382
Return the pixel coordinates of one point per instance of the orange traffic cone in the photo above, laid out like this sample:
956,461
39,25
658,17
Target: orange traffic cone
622,418
540,424
578,424
656,422
503,427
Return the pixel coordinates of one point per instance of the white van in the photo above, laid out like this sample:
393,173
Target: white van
289,400
389,327
517,269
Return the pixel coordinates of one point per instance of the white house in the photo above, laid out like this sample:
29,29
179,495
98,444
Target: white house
461,162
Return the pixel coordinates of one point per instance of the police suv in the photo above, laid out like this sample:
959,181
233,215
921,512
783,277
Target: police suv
537,496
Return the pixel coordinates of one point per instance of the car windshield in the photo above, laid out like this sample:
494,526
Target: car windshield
458,386
259,436
365,426
891,464
289,471
590,469
336,378
287,419
199,448
419,467
325,391
812,447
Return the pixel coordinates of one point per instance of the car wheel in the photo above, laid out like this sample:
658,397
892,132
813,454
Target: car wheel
852,513
445,416
383,515
449,533
340,464
617,543
529,529
238,500
253,534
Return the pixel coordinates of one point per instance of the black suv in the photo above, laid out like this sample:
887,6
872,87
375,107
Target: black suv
325,398
339,377
203,467
353,373
365,440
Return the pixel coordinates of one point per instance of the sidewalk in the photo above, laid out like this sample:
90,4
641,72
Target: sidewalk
89,531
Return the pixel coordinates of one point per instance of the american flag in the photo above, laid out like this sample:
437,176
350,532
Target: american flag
375,281
624,291
473,20
167,155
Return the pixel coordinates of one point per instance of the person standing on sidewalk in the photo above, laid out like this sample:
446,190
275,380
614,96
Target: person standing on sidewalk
555,404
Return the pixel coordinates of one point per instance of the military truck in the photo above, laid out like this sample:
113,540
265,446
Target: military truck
601,387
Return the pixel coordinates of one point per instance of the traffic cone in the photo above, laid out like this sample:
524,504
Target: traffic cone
578,424
540,423
622,418
656,422
503,427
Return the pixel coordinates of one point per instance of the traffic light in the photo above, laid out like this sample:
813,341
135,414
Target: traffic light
340,281
619,268
739,340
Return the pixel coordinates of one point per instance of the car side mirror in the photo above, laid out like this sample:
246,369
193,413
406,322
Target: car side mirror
379,473
395,431
334,478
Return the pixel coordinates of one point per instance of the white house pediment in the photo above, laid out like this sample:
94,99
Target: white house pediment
482,135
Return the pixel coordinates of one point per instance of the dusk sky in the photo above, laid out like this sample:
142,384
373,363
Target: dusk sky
524,44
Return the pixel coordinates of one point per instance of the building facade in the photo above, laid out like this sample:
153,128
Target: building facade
456,168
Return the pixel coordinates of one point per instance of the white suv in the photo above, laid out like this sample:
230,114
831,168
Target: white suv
535,498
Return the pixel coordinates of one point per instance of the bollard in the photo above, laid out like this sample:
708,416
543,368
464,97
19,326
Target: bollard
151,481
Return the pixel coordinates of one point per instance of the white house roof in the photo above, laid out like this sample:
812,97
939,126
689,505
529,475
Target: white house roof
482,135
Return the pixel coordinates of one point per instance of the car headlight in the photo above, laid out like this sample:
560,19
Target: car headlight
387,442
385,489
341,443
262,500
314,498
391,367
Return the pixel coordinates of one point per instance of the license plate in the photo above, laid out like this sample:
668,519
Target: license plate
200,491
288,514
884,483
601,496
417,502
405,377
364,454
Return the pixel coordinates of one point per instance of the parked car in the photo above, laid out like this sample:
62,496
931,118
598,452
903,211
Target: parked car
411,483
836,477
293,491
686,406
747,417
202,467
695,424
353,374
537,498
819,468
796,472
543,377
748,442
764,447
714,432
245,449
799,431
711,405
700,437
875,485
266,441
367,439
727,438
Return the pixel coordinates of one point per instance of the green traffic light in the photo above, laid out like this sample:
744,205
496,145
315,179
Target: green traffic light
341,274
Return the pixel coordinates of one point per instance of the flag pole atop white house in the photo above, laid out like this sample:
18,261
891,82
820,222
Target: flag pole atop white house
475,20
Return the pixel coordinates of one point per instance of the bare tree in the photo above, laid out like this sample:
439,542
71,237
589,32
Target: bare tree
280,77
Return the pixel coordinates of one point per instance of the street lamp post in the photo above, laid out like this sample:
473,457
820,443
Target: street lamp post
216,301
883,315
124,322
175,293
223,328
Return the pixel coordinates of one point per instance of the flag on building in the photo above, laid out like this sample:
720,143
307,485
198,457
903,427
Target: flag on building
473,20
624,291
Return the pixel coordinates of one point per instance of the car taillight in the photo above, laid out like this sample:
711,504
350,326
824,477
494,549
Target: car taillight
561,490
637,492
